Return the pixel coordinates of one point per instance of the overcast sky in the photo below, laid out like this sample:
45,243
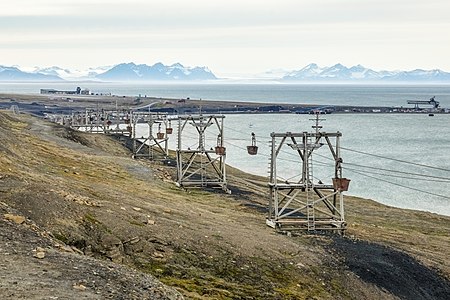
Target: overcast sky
228,36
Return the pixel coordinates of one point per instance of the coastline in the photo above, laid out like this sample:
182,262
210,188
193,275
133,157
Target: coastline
40,105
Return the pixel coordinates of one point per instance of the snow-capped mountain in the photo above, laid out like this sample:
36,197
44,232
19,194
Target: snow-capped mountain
339,72
157,72
420,75
78,74
310,71
120,72
178,72
15,74
55,71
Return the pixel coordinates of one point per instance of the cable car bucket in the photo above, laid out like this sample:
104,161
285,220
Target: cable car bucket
341,184
253,149
169,129
159,134
220,150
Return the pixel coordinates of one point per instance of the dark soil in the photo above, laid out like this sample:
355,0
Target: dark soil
392,270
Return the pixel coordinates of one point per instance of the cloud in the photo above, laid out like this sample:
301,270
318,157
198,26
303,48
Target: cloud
272,31
29,8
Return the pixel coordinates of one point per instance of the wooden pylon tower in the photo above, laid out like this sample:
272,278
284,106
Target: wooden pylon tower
154,142
202,165
308,203
100,121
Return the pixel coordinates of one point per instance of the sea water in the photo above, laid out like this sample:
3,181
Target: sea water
401,160
405,143
320,94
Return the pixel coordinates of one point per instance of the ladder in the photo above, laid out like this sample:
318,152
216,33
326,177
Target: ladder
309,188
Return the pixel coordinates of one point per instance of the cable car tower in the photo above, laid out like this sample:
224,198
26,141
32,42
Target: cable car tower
203,166
151,144
308,203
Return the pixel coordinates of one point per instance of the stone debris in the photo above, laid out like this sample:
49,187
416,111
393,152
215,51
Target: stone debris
132,240
39,255
136,208
66,248
76,250
113,248
158,255
79,287
14,218
164,175
83,200
39,252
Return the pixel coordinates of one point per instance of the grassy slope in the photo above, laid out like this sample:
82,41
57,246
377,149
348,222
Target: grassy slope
87,192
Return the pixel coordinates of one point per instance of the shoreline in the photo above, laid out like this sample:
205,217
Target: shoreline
40,105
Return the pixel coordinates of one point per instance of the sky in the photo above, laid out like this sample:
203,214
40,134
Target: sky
228,36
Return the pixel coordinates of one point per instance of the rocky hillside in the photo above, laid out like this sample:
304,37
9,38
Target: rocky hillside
80,218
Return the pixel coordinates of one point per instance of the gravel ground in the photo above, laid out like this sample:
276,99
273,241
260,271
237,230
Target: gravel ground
61,273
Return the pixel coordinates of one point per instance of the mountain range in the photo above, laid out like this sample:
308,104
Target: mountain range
339,73
121,72
14,74
68,74
133,72
127,72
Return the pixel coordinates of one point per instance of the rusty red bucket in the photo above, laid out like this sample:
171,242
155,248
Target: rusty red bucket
341,184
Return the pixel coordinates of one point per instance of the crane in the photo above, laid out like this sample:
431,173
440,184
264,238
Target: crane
432,102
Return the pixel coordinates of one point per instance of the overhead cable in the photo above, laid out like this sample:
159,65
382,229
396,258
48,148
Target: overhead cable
395,159
401,185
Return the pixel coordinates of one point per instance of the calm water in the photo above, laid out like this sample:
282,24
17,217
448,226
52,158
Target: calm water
409,137
321,94
417,139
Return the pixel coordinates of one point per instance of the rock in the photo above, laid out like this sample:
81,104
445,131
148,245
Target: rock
132,240
75,249
39,255
15,218
158,255
113,248
136,209
151,222
79,287
115,254
66,249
